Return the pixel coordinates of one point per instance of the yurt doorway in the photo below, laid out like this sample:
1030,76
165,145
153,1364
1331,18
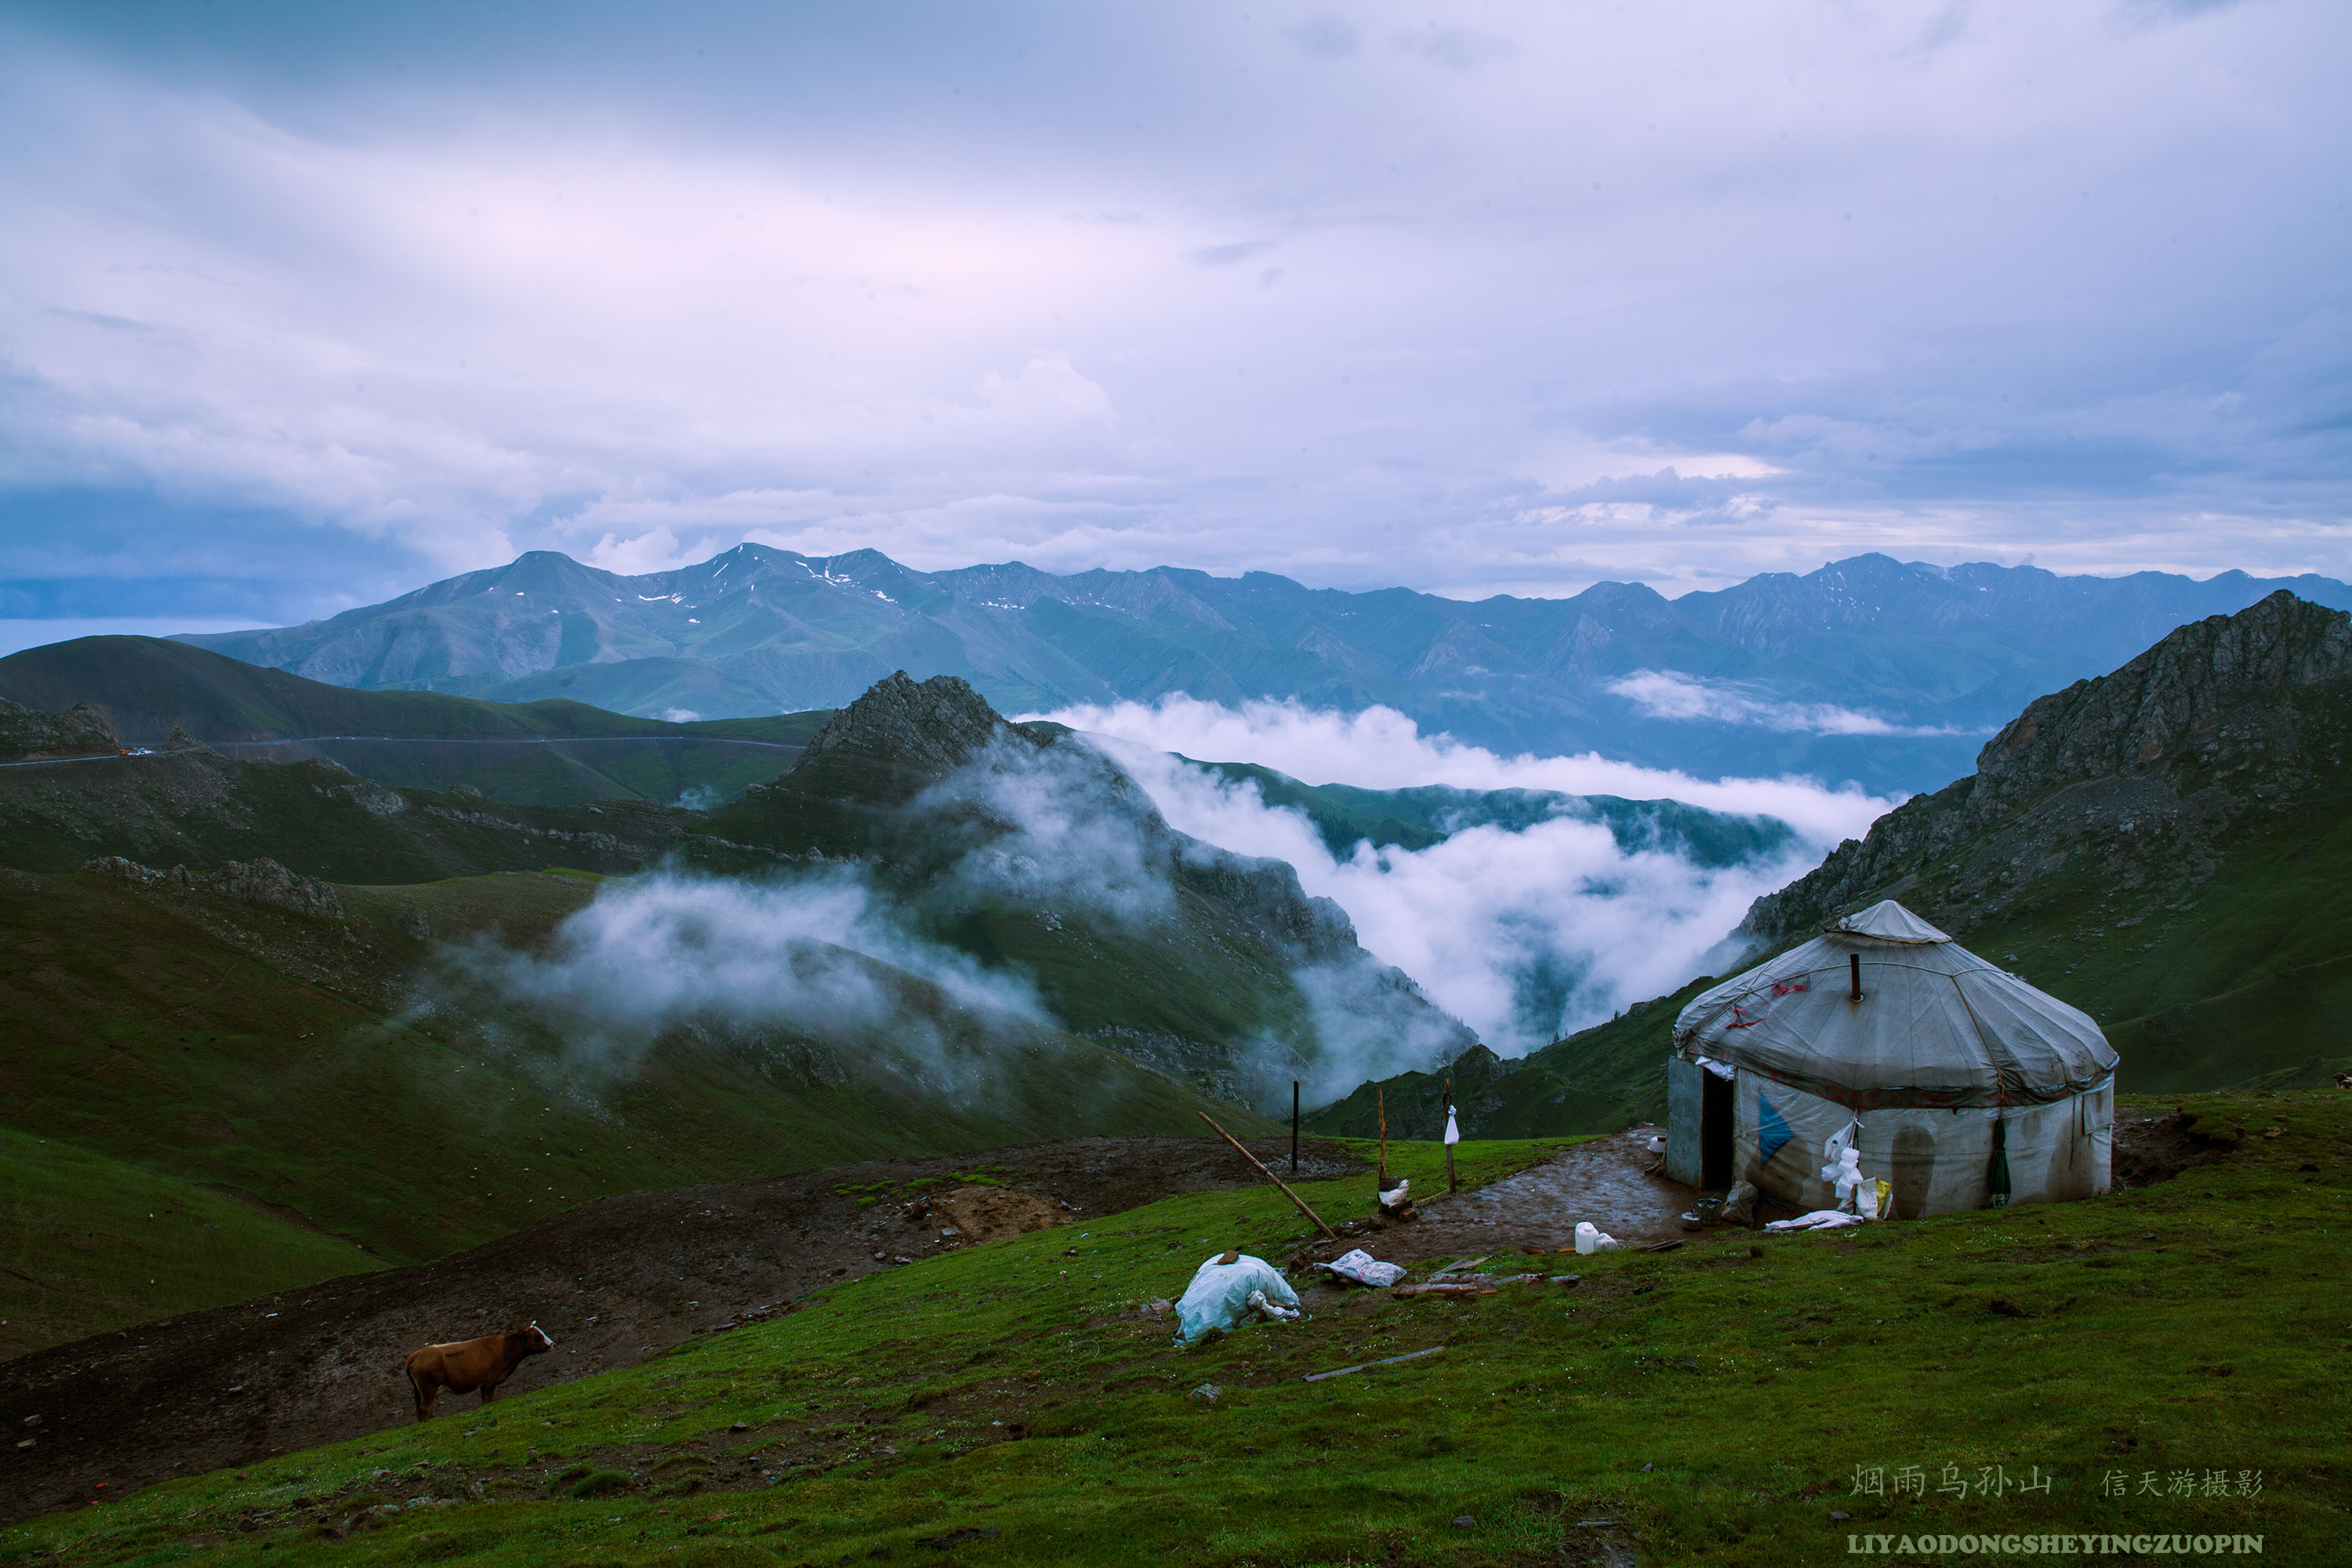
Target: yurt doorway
1715,1131
1699,1111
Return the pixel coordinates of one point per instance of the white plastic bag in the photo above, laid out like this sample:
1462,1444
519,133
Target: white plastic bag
1365,1269
1844,1174
1265,1309
1819,1219
1220,1293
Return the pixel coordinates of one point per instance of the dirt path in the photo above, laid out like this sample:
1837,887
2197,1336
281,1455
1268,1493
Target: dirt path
1602,1180
1605,1180
613,1282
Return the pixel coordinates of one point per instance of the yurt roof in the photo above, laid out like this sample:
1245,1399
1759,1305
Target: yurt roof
1937,1026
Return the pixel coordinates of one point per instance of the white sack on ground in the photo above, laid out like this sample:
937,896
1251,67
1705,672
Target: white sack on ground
1219,1294
1819,1219
1365,1269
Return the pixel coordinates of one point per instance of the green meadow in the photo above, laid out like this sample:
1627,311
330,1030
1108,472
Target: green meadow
2166,1360
89,1243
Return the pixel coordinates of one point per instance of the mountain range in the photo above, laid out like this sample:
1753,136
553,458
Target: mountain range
1870,669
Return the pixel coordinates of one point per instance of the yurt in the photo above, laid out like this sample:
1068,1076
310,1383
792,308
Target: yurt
1959,1085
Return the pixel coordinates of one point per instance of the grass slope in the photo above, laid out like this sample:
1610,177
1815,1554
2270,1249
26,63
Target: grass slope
146,684
89,1243
2241,982
1729,1402
556,750
1596,1080
162,1044
196,808
691,771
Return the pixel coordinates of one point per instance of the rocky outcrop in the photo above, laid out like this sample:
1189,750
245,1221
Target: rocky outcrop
936,726
263,881
179,740
28,735
2227,715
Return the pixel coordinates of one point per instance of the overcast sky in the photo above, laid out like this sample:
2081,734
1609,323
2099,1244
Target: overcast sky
301,305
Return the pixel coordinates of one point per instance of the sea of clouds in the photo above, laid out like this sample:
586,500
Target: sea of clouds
1523,935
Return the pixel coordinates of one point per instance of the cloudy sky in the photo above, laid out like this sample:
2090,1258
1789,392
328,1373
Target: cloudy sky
301,305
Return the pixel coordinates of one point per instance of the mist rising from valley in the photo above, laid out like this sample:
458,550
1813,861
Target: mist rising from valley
1523,934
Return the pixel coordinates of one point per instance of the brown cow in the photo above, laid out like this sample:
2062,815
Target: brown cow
466,1365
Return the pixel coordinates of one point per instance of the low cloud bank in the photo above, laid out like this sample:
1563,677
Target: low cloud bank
800,957
1054,835
1523,935
1380,748
1670,694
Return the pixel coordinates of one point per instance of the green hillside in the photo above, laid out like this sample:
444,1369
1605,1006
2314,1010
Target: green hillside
1182,955
148,684
89,1243
1745,1400
326,1047
2235,982
178,1040
1596,1080
200,809
553,751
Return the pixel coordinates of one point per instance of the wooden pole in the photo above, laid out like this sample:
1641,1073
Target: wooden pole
1270,1176
1381,1099
1449,1148
1293,1127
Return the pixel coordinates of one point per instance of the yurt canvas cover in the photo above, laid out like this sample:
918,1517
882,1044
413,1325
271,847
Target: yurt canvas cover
1944,1059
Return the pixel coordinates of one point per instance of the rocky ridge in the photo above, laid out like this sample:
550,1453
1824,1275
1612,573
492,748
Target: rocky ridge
262,881
2223,719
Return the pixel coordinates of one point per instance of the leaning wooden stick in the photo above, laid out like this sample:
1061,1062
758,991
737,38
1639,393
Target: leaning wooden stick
1381,1099
1270,1176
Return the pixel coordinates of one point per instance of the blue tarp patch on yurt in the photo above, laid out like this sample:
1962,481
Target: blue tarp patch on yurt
1772,1132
